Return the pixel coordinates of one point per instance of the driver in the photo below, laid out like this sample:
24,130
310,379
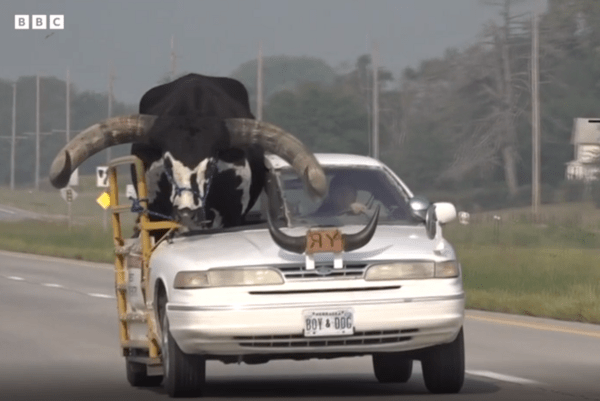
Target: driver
341,199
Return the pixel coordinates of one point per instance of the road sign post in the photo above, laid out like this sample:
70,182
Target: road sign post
102,182
69,195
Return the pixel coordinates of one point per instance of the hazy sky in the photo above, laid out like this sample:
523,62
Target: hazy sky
214,37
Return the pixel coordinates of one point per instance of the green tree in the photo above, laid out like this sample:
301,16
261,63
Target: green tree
322,118
282,73
87,108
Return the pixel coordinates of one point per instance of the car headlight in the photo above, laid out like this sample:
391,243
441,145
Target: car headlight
447,269
226,278
412,270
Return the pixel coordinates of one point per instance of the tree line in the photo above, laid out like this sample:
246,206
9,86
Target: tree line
458,124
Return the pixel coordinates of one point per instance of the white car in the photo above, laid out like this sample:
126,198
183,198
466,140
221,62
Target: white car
390,286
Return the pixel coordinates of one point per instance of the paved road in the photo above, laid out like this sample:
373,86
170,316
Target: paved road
9,213
58,341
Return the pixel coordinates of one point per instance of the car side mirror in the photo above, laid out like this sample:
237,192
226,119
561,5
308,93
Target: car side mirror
445,212
419,206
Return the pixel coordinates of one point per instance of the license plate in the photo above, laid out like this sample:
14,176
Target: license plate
335,322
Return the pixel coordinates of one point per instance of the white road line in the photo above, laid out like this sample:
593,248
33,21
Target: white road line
15,278
96,295
501,377
6,211
53,285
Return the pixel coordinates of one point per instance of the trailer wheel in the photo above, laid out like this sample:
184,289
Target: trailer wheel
137,375
185,374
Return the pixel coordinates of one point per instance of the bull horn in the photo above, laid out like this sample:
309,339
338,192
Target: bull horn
244,131
361,238
288,242
110,132
297,244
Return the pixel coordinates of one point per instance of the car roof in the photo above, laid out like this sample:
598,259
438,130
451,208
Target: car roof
329,159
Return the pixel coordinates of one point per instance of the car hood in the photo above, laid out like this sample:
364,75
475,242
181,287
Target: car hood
256,248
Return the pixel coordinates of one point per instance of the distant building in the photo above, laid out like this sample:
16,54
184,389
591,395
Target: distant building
586,139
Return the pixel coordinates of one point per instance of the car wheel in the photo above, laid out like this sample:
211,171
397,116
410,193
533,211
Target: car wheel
444,366
390,367
185,374
137,375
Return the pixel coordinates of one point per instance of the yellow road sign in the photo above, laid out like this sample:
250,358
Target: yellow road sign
104,200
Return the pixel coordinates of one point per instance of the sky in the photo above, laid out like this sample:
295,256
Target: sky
213,37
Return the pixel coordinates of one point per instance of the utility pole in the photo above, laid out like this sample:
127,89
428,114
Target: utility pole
37,132
13,138
535,115
259,84
173,57
68,107
75,174
369,100
111,78
375,102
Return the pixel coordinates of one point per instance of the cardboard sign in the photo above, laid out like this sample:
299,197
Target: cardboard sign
318,241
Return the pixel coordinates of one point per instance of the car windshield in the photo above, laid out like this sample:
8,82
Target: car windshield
353,196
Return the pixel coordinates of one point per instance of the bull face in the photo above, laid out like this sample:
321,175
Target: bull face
188,189
211,192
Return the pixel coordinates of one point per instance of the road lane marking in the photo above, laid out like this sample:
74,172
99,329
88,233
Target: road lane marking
96,295
53,259
53,285
537,326
502,377
15,278
6,211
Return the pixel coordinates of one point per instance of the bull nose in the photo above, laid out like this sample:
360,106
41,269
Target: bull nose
184,214
189,217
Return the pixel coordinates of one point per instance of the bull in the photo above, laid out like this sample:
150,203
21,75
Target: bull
202,152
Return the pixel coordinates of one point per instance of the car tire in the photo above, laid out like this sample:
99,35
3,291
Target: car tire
390,367
444,367
137,375
185,374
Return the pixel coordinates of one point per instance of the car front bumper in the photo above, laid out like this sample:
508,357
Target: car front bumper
382,325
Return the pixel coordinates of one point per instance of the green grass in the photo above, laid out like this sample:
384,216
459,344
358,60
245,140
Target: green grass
552,282
54,239
548,269
84,209
88,239
523,235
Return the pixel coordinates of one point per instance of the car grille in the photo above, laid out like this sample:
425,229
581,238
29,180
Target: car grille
298,340
323,271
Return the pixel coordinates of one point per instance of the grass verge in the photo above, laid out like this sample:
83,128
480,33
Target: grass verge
549,282
534,277
54,239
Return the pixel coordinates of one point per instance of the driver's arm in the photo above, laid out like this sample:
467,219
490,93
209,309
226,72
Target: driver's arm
358,208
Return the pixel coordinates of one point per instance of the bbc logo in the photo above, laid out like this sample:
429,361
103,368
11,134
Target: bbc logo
39,22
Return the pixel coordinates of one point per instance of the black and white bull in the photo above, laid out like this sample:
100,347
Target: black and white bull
202,149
